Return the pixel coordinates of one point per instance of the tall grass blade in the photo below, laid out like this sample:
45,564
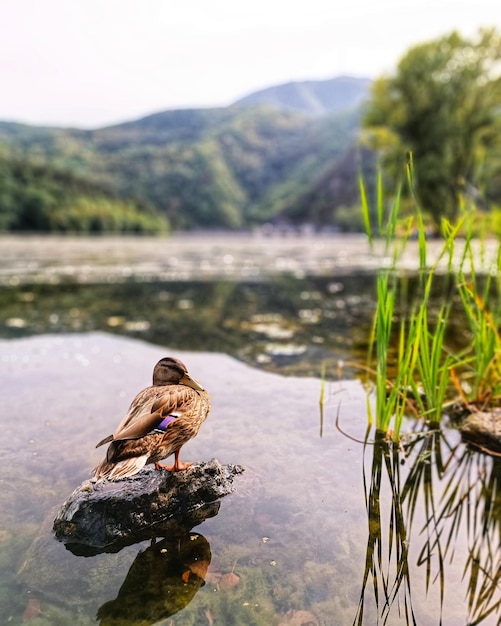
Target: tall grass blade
365,211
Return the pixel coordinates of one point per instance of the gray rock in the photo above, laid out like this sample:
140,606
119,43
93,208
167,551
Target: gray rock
108,515
483,429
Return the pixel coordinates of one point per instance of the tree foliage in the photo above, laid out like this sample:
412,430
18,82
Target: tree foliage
228,168
37,197
443,105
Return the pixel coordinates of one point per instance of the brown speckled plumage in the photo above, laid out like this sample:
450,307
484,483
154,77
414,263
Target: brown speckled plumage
174,402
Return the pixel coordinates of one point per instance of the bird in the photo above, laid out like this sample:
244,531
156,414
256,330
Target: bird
159,421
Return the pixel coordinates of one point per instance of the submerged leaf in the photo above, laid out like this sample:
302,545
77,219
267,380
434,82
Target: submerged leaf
228,581
32,610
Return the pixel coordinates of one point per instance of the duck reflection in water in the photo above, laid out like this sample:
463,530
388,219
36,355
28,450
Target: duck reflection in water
163,579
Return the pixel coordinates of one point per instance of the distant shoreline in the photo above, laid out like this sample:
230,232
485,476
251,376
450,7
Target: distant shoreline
200,255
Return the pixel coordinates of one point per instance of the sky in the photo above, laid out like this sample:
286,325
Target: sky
91,63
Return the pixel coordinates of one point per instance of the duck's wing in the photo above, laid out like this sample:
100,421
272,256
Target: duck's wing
150,408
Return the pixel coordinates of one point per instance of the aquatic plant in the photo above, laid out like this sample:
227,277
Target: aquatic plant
483,360
428,375
415,373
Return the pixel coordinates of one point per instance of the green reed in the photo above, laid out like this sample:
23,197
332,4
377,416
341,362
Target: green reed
389,400
483,360
426,374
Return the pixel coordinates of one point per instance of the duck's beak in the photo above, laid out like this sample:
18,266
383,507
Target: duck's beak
191,382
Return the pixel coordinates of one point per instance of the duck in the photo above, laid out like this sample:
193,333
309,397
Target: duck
159,421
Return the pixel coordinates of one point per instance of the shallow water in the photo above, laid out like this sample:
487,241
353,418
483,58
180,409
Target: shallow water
320,530
297,542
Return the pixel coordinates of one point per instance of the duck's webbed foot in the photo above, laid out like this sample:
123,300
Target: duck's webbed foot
176,467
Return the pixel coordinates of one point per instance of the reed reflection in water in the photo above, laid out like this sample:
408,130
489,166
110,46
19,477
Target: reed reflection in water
402,483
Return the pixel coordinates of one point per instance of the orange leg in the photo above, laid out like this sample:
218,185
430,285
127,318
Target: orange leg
178,465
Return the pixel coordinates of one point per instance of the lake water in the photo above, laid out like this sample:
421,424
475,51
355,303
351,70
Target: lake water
321,530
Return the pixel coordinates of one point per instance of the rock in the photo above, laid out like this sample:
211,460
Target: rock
148,584
108,515
483,429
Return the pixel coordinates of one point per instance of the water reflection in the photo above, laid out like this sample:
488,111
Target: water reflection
401,490
472,499
162,580
282,324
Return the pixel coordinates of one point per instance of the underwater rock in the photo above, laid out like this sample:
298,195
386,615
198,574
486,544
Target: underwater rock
483,429
107,515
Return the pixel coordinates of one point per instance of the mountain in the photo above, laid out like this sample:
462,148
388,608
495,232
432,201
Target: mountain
314,97
231,167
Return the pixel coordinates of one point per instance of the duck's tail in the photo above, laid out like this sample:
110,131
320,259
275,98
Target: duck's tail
122,469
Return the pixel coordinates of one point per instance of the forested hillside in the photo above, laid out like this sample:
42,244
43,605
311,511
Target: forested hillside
38,197
233,167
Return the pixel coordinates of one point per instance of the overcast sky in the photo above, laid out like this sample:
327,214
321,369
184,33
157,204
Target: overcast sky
89,63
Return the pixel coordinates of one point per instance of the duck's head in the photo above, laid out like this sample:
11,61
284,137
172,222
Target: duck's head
171,371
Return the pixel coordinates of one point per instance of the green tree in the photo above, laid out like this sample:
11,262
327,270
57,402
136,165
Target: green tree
443,105
39,197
